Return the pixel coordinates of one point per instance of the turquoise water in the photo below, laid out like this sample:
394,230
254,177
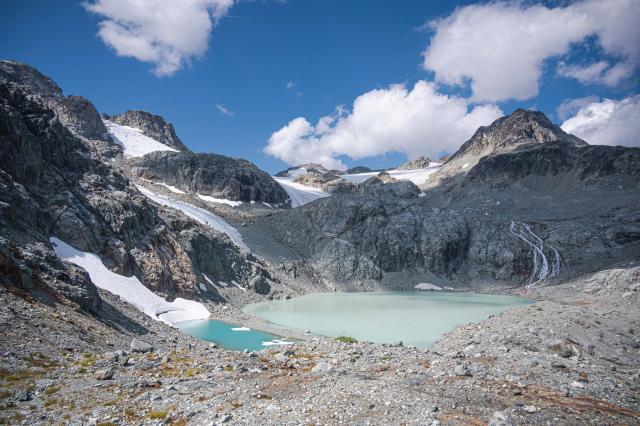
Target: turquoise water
417,319
223,334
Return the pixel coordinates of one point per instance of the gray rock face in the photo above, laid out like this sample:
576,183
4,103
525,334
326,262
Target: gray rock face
578,202
210,174
53,183
377,229
75,112
140,346
152,126
419,163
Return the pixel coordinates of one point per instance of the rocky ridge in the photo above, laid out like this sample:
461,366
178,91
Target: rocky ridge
151,125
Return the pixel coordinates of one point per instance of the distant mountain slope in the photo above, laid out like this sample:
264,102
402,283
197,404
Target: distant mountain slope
520,130
152,126
210,175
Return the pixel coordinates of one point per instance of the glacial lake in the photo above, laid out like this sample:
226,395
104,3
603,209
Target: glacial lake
230,336
415,318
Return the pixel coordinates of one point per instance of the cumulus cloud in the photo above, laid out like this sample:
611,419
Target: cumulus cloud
223,110
165,33
608,122
569,107
500,48
420,121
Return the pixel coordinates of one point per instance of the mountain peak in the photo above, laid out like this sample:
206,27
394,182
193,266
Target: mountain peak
151,125
520,128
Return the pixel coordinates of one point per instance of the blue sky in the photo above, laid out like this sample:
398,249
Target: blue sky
333,52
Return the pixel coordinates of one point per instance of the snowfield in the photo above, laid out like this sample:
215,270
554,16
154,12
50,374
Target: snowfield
200,215
298,193
130,288
418,176
302,194
133,142
210,199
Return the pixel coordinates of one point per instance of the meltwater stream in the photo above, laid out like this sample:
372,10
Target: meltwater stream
417,319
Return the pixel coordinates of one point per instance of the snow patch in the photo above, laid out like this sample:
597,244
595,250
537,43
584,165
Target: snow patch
210,199
133,142
207,279
276,342
427,286
235,283
202,287
465,165
200,215
298,193
417,176
130,288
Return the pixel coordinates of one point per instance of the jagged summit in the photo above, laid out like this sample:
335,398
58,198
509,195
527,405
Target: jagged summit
151,125
522,127
520,130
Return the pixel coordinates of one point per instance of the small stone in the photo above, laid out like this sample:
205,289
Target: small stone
322,367
516,391
577,384
140,346
280,357
22,395
530,409
225,418
104,374
500,419
462,370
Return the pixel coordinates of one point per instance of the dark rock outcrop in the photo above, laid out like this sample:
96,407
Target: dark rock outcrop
151,125
210,174
75,112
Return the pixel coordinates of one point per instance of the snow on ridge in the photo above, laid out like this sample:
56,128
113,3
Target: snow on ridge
169,187
302,194
298,193
417,176
202,216
133,142
210,199
130,288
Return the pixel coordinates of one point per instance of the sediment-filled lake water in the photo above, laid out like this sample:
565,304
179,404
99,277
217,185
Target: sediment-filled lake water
416,318
230,336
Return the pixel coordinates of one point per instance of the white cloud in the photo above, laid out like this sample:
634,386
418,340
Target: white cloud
291,86
568,107
223,110
609,122
415,122
165,33
500,48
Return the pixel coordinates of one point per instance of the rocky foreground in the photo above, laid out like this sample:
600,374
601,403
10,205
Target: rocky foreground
570,358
